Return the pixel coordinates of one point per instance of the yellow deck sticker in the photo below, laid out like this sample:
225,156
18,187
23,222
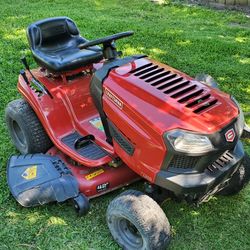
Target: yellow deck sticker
94,174
30,173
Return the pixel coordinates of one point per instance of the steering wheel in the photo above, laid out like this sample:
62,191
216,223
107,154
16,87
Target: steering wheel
107,40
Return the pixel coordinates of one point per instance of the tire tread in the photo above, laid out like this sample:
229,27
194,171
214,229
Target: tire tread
147,214
39,142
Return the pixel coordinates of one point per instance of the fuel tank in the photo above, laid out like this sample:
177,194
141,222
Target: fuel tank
144,99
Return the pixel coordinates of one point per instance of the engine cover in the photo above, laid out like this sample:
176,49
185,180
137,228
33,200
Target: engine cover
143,99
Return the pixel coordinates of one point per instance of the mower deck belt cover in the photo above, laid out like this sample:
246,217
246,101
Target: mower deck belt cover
37,179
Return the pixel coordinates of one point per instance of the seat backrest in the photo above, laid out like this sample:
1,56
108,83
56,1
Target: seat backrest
51,30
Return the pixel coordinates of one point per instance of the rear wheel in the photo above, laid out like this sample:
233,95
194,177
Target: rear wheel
26,131
137,222
239,179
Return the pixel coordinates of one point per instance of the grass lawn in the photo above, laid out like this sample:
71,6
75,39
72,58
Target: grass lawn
192,39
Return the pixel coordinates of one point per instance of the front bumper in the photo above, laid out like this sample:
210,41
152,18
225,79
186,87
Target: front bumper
199,184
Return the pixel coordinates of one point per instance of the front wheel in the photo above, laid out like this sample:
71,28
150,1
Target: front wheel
239,179
137,222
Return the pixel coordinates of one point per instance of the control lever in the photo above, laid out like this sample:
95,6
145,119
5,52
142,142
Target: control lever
38,84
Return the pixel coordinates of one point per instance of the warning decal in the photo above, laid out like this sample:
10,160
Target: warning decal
30,173
94,174
97,123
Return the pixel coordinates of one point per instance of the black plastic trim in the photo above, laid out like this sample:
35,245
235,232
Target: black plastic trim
200,183
123,142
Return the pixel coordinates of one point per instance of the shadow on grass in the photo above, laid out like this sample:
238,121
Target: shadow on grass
210,224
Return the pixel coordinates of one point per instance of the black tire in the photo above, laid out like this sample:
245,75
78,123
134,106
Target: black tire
26,131
136,221
239,179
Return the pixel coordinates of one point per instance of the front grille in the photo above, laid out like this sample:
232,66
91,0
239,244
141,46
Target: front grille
175,86
184,162
220,162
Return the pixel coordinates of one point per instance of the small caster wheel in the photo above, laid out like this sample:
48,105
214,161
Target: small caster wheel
81,204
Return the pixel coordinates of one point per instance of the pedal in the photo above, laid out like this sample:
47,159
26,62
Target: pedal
84,146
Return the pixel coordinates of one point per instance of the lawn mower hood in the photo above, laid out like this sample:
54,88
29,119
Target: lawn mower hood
160,118
167,99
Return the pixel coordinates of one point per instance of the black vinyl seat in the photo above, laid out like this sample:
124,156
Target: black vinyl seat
54,45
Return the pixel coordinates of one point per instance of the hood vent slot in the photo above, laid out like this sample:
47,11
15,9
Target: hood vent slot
158,76
183,91
150,69
205,106
175,86
190,96
172,81
152,73
164,79
140,68
172,86
198,100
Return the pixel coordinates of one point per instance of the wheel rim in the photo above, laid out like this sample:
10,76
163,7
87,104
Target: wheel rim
129,233
19,134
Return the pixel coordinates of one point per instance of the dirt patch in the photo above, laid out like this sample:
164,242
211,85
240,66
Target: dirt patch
238,25
218,6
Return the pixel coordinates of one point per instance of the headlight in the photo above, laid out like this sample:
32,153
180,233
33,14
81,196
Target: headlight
183,141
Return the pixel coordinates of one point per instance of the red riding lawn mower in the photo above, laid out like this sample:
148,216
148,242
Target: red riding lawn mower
91,122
